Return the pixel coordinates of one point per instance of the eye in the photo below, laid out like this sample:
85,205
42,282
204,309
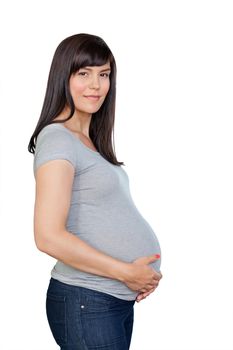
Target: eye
105,74
82,73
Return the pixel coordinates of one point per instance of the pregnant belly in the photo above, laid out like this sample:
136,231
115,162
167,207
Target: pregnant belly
123,239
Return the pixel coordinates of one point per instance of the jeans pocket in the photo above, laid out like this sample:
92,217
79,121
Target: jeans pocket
96,305
56,315
97,302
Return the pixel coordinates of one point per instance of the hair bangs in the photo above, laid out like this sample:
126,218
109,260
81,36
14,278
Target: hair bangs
91,54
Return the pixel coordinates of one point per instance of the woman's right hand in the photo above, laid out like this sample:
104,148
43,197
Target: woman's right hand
141,277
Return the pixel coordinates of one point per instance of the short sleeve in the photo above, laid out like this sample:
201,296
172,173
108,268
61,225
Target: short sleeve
53,144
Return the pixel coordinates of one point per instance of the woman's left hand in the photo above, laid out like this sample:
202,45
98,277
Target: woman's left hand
143,295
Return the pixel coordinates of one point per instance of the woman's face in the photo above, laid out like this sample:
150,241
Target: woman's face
89,87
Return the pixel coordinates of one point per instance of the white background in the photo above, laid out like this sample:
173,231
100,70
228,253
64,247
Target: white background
173,131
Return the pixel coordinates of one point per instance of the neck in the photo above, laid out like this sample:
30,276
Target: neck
80,121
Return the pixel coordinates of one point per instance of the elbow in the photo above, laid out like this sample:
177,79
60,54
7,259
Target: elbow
48,241
41,242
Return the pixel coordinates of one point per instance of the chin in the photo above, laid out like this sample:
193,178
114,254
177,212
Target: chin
87,111
93,110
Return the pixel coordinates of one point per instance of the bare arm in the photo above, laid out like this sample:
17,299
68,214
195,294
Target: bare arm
53,193
54,181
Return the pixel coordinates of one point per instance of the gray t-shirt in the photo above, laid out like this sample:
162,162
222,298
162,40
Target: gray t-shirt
102,211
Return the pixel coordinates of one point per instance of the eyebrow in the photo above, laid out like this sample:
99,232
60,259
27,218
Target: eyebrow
103,70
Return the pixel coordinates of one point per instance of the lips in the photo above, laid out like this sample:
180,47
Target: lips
93,97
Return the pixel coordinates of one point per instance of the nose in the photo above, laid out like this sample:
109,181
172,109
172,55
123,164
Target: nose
95,84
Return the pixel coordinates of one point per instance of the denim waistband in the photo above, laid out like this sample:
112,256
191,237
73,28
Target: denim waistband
58,285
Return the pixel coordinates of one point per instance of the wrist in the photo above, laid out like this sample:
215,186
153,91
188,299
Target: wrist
122,271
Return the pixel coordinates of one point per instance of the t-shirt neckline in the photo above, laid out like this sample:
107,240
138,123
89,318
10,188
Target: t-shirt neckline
76,138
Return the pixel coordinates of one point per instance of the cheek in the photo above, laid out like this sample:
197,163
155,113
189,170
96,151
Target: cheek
77,88
106,87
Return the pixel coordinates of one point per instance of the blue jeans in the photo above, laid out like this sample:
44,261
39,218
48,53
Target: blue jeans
83,319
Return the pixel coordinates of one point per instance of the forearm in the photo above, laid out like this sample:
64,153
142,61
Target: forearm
75,252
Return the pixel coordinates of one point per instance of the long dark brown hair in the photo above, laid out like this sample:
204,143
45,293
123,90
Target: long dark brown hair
73,53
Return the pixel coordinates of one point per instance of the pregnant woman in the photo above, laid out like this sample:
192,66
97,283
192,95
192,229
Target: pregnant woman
107,254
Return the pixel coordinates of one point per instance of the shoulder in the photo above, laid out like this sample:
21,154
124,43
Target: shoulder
53,142
54,129
54,135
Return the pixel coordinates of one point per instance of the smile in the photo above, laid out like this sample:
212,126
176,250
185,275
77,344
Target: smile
93,98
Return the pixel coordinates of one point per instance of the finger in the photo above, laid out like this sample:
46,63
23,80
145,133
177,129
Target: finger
158,277
144,295
147,288
141,295
143,290
153,285
148,293
139,298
